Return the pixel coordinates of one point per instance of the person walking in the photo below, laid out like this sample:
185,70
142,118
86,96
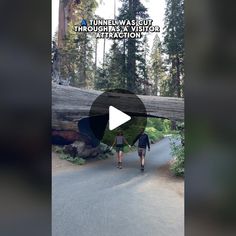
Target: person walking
143,143
120,142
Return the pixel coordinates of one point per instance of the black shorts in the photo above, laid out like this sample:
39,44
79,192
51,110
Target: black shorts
142,152
119,148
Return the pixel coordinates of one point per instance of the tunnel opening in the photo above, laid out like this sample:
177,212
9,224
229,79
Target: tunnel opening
88,128
156,127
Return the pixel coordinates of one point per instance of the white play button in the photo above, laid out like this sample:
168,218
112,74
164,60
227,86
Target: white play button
117,118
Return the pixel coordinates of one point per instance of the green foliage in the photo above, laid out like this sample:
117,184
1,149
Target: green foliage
174,46
109,136
177,150
60,151
128,130
156,67
166,88
177,166
106,152
155,128
113,73
74,160
126,63
57,149
69,56
162,125
142,79
136,81
154,134
174,27
128,149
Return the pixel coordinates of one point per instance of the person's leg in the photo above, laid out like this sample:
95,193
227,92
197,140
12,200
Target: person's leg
140,156
118,158
142,163
121,157
143,159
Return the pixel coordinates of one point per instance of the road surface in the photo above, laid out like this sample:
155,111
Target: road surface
101,200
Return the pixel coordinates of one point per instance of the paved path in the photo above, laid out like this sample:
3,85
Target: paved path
101,200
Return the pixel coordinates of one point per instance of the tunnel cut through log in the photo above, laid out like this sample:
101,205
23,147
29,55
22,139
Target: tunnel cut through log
71,105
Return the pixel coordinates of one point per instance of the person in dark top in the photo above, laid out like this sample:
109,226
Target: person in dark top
120,142
143,143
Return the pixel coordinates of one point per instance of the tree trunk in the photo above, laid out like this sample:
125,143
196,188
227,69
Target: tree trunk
131,52
104,52
96,53
61,24
124,64
65,16
173,78
114,9
70,104
178,86
83,79
156,86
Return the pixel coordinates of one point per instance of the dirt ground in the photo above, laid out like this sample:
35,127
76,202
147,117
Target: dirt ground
166,178
59,165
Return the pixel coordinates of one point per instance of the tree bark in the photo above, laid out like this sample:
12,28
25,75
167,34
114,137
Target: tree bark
70,105
104,52
178,86
131,52
61,24
96,53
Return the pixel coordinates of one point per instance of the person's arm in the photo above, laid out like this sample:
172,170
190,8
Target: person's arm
113,143
135,140
148,143
125,141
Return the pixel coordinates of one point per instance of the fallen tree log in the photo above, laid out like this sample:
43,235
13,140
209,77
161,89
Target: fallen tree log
70,105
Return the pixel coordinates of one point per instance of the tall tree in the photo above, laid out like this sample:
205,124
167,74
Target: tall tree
132,10
112,74
78,50
131,50
142,80
156,67
174,44
125,64
69,57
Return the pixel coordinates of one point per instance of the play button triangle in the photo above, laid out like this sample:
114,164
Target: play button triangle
117,118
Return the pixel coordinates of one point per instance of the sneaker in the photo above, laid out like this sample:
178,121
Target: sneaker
142,168
120,166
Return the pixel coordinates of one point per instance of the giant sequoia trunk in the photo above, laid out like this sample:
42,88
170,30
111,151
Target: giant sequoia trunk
64,17
71,106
